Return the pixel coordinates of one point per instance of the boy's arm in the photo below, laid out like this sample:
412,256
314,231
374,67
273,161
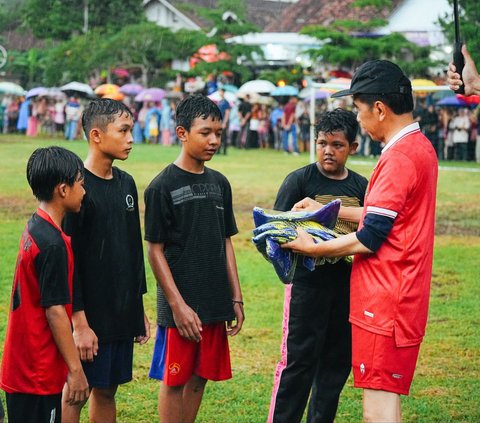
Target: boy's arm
144,338
85,338
235,287
186,320
77,385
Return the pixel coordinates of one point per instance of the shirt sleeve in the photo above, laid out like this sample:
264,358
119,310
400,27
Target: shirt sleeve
374,231
289,193
391,188
230,223
158,215
52,269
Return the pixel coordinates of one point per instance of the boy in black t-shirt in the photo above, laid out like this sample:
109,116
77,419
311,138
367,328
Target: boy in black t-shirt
39,354
316,348
108,312
188,224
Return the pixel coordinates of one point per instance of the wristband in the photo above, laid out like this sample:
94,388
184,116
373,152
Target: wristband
237,302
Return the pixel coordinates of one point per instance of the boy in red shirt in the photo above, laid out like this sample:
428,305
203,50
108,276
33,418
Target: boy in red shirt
39,353
390,282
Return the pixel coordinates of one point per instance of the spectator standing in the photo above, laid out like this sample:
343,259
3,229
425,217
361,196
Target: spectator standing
289,126
461,129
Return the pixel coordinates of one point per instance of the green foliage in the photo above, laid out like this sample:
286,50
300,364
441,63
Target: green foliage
62,19
469,19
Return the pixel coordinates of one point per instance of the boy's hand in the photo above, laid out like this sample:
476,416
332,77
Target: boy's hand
239,318
144,339
77,389
307,204
86,342
188,323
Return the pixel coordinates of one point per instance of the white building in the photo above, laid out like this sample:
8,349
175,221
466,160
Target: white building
164,14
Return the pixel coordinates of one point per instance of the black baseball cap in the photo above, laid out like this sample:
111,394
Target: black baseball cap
377,77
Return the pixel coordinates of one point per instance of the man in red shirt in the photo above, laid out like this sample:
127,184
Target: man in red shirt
289,125
393,247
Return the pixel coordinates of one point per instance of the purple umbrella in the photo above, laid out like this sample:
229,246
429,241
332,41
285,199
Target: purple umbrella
452,102
34,92
151,94
131,89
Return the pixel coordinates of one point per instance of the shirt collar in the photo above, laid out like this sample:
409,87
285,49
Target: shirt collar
413,127
44,215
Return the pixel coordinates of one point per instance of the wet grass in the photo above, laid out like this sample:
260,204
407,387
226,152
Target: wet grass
447,383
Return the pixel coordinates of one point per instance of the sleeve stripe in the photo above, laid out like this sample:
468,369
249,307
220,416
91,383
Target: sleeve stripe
382,212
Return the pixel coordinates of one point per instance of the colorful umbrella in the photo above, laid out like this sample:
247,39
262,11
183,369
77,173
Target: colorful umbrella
258,86
104,89
452,102
472,100
286,90
114,96
11,88
77,88
37,91
131,89
151,94
230,88
230,97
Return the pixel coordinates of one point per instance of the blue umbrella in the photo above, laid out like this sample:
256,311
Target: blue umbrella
229,88
452,102
286,90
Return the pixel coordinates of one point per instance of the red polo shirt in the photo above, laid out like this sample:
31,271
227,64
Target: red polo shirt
390,288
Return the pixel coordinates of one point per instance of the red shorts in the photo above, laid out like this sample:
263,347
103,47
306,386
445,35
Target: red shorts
378,363
176,359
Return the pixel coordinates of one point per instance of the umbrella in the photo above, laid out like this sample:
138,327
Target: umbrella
230,97
320,94
114,96
151,94
422,87
11,88
37,91
77,88
230,88
472,100
286,90
104,89
452,102
131,89
121,73
259,86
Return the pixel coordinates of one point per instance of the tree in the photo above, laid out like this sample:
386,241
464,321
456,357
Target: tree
61,19
469,18
349,43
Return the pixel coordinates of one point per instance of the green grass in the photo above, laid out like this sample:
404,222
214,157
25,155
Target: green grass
447,383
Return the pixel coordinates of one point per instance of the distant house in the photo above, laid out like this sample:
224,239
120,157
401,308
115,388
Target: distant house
165,14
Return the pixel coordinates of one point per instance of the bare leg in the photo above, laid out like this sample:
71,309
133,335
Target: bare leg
102,405
71,413
381,406
192,398
180,404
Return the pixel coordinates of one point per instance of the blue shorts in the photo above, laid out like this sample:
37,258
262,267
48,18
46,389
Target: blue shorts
112,366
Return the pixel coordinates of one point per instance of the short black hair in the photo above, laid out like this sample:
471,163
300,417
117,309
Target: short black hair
338,120
195,106
102,111
49,166
398,103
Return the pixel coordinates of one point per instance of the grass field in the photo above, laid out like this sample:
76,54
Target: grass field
447,383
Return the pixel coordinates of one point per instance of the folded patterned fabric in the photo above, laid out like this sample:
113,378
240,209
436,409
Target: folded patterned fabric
275,228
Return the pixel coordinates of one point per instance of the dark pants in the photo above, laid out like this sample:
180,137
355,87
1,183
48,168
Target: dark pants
28,408
316,356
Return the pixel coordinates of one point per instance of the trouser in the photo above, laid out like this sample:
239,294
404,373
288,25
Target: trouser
71,130
460,151
316,350
286,133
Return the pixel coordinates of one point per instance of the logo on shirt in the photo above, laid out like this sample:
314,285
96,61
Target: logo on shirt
362,368
396,376
130,202
174,369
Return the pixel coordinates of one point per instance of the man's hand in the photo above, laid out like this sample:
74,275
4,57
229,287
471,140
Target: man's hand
303,244
77,389
470,76
144,338
86,342
307,204
239,318
187,322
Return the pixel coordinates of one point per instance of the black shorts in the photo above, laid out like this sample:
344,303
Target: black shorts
29,408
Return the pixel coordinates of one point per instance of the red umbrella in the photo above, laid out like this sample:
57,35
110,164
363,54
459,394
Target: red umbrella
471,99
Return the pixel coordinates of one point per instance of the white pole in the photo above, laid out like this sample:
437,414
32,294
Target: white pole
312,124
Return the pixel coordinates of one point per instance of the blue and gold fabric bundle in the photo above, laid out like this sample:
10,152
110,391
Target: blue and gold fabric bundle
275,228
